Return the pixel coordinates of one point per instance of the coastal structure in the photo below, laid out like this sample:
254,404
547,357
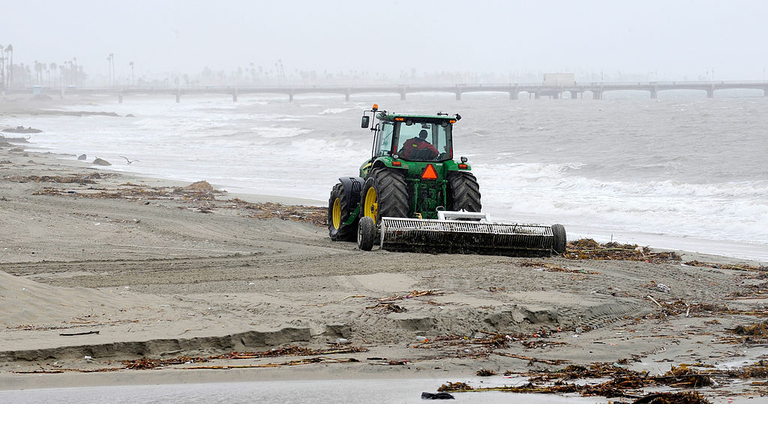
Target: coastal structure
556,89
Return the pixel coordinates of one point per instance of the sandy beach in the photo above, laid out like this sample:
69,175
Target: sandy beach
110,279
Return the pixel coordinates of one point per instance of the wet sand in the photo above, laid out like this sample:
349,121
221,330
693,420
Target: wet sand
100,269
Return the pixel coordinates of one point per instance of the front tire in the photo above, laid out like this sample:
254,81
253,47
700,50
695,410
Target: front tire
366,233
339,210
464,192
384,195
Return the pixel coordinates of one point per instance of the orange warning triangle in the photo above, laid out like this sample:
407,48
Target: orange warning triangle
429,173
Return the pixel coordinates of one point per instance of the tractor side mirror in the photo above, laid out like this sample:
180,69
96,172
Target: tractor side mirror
366,120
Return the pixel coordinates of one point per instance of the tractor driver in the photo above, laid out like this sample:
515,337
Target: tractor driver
418,148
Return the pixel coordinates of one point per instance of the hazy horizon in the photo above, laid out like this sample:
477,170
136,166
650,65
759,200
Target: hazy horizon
657,39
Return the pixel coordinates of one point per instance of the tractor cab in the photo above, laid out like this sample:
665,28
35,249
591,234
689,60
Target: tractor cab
413,138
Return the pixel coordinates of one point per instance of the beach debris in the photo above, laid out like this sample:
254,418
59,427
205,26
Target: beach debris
198,192
620,384
274,365
555,268
683,376
436,396
738,267
752,333
590,249
455,387
288,351
199,186
758,291
485,373
532,360
658,287
147,363
100,161
757,370
82,157
673,398
654,300
387,303
412,294
80,334
82,179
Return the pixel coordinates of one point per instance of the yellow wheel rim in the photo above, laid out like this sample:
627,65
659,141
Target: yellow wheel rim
337,213
371,204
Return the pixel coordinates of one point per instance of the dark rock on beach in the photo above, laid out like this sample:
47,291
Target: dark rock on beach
435,396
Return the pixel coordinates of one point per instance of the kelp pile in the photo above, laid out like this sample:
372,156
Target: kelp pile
296,351
588,249
619,382
82,179
200,196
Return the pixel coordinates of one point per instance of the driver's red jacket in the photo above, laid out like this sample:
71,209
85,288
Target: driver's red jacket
418,146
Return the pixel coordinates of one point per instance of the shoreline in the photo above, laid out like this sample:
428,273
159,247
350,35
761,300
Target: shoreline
113,268
33,108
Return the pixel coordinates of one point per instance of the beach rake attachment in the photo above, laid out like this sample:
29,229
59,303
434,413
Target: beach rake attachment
470,233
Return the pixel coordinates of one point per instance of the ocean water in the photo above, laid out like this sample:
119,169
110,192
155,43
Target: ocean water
680,172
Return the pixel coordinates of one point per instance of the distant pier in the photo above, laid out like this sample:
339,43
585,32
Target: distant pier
595,90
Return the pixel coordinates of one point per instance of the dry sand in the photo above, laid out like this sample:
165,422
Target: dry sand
109,268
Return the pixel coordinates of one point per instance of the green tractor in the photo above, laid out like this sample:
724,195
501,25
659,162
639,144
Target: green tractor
411,195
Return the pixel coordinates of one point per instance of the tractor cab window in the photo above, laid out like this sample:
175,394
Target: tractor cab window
384,144
424,141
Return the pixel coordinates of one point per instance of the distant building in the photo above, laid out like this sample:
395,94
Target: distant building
559,79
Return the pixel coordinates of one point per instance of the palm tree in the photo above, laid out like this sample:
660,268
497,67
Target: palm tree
74,68
9,49
111,64
53,67
2,68
38,71
69,72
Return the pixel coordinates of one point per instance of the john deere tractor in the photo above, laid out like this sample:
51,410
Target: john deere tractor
411,195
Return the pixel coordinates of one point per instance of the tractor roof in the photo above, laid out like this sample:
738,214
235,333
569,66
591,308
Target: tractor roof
391,116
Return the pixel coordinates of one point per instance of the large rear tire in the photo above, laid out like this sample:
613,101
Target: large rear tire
339,210
464,192
384,195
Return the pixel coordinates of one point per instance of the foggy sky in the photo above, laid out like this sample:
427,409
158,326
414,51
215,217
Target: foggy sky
668,39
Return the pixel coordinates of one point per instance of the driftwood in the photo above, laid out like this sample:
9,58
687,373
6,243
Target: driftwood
80,334
533,360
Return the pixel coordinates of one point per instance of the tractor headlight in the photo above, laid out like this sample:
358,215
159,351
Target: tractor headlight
464,159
